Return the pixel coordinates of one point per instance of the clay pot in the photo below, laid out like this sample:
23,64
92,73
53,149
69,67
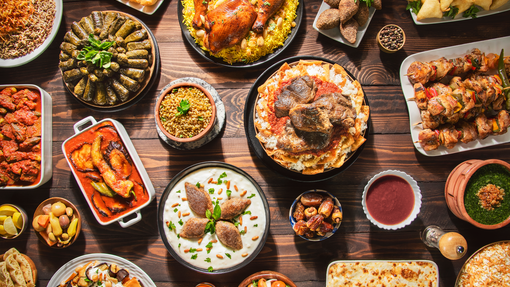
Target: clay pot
456,186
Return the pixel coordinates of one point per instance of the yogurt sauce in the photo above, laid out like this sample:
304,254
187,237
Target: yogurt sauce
189,249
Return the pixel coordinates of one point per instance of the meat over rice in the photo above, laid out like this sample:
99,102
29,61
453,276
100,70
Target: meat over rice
21,43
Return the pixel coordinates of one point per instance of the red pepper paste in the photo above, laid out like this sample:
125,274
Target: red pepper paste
390,200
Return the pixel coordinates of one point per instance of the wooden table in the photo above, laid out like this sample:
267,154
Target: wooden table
388,146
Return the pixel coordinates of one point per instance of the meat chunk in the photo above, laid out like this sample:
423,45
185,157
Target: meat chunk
229,235
468,130
233,207
194,228
300,91
340,109
198,199
228,24
310,118
294,140
482,126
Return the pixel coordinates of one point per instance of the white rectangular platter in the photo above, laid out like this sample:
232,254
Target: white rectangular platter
487,46
482,13
335,32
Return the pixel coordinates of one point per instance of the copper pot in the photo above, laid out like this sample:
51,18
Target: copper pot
456,186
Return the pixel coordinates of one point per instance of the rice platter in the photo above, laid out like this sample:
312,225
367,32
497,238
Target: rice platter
253,45
185,111
209,250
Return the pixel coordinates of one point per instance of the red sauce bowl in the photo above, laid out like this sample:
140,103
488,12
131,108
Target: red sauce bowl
391,199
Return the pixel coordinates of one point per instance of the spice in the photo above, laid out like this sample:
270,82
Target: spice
391,37
490,196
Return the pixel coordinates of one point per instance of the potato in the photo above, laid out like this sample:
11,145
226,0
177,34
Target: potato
329,19
430,9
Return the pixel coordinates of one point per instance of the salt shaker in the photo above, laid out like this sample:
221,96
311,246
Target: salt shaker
451,244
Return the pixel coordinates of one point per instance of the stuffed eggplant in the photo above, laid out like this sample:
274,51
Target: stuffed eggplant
106,58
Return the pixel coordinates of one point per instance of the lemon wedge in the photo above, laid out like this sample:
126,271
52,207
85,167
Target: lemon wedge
7,210
2,218
2,230
9,226
18,220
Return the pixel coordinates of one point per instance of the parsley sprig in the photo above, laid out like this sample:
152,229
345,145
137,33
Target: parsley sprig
213,217
183,108
97,53
414,6
471,12
452,12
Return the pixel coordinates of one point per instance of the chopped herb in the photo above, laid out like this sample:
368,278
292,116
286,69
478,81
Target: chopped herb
247,212
414,6
211,190
183,108
471,12
209,245
208,260
88,280
212,22
222,21
223,175
174,90
210,269
179,246
198,184
367,2
217,211
452,12
252,195
204,2
255,225
194,256
97,54
242,232
179,191
254,283
229,192
228,255
192,250
170,225
176,209
200,118
163,119
267,3
180,222
178,236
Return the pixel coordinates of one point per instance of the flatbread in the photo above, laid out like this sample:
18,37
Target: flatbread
15,271
5,277
430,9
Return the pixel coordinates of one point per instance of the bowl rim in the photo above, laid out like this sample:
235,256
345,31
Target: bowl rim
161,209
293,220
23,215
417,199
267,274
68,203
209,126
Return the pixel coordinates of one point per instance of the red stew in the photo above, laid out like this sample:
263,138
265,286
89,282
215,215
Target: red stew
106,207
390,200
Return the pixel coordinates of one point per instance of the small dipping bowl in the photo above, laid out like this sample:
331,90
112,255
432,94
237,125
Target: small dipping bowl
16,213
391,38
268,275
324,193
43,237
391,199
159,119
457,183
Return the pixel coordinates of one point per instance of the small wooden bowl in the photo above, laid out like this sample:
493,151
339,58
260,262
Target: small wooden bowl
455,188
388,50
267,275
202,133
76,213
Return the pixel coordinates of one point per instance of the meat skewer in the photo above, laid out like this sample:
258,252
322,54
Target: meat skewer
464,131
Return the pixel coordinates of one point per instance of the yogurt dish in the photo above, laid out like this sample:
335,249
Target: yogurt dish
224,236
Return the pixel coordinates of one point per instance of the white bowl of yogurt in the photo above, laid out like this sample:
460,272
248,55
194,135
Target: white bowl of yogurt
207,253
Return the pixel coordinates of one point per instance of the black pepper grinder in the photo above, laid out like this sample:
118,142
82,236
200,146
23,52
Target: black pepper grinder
451,244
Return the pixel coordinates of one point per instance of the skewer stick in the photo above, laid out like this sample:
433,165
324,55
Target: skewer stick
415,124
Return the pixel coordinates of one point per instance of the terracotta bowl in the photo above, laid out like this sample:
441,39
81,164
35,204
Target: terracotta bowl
76,213
201,134
387,50
266,275
456,184
24,218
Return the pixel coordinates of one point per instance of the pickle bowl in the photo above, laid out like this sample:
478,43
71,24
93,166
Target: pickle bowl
18,221
52,222
309,210
268,276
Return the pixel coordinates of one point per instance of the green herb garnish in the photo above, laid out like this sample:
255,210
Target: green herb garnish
228,255
242,232
223,175
208,260
171,225
211,190
252,195
179,191
229,192
194,256
452,12
471,12
255,225
200,118
414,6
198,184
210,269
246,212
192,250
183,108
267,3
176,209
97,53
180,222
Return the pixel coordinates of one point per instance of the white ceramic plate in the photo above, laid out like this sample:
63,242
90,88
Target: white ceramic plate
67,269
149,10
335,32
459,17
10,63
487,46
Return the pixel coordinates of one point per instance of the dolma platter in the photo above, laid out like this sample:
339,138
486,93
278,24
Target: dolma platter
482,13
145,85
487,46
258,149
263,60
11,63
64,272
147,9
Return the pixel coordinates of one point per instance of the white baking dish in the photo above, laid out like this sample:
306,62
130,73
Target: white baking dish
46,137
78,128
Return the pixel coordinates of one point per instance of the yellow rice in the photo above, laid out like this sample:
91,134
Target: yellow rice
274,35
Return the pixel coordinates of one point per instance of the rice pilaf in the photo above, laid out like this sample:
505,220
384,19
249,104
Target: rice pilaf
275,33
194,121
22,40
343,143
488,267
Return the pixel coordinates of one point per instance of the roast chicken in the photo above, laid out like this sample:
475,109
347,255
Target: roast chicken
200,11
266,9
227,24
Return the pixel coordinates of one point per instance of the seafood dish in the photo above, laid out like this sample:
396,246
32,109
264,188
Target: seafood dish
107,58
97,273
310,116
239,31
214,219
108,171
459,111
382,273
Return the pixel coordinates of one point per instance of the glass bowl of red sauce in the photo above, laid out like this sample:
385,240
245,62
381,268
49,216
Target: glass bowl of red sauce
391,199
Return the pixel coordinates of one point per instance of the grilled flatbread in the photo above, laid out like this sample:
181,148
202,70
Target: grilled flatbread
5,277
17,270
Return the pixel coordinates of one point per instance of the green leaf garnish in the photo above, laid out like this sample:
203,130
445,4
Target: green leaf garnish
183,108
223,175
180,222
210,269
229,192
452,12
208,260
252,195
171,225
96,53
197,185
414,6
194,256
228,255
471,12
211,190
